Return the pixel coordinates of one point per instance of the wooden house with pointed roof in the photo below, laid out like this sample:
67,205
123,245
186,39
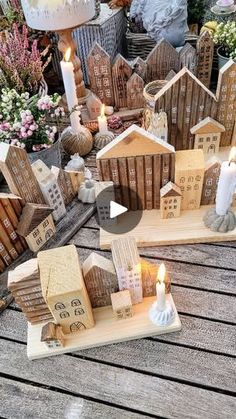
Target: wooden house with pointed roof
170,200
210,181
139,164
207,135
36,225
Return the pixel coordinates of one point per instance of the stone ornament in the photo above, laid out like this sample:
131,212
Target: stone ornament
81,142
87,192
220,223
101,140
75,164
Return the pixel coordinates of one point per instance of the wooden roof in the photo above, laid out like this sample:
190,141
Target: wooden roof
207,125
100,262
170,189
50,331
135,141
31,217
212,163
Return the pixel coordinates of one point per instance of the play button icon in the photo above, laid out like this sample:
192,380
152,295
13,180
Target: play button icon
116,209
112,214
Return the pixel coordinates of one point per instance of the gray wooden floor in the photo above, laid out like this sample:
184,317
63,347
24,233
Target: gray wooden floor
188,374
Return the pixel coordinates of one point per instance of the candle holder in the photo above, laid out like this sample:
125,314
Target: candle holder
101,140
162,317
77,142
220,223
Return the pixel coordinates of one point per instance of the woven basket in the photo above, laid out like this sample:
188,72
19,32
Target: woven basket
149,93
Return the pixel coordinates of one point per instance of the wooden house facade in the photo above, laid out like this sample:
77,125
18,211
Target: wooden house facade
139,164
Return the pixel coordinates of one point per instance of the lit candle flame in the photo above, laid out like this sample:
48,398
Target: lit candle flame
67,55
232,155
103,111
161,274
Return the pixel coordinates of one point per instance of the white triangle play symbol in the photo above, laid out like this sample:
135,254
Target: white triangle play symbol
116,209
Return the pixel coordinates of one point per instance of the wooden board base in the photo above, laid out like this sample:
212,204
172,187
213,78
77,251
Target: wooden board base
154,231
107,330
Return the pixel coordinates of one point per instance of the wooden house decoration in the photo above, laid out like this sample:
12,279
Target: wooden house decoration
52,336
63,179
135,86
128,267
94,106
24,284
100,279
121,73
210,182
140,67
170,200
105,193
138,160
207,135
184,111
122,305
205,53
64,289
189,175
50,189
16,168
99,69
36,225
161,60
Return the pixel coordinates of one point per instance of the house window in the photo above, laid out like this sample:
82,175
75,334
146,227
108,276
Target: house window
190,179
201,140
189,187
79,311
175,207
208,139
45,223
198,178
200,147
64,314
215,138
36,233
59,306
196,187
165,202
207,193
39,241
170,201
209,182
182,180
175,201
75,303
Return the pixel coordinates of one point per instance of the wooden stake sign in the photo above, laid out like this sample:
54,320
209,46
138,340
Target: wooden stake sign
99,69
135,86
121,73
16,168
205,51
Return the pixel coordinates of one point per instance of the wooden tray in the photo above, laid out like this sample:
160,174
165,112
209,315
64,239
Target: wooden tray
154,231
107,330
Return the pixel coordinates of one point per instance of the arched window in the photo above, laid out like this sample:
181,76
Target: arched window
75,303
59,306
64,314
79,311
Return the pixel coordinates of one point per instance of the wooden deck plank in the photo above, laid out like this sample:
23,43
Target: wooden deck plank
125,388
20,400
203,254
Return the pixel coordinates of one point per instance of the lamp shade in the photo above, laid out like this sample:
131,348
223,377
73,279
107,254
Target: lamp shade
55,15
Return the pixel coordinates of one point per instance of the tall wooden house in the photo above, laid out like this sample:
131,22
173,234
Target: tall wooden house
189,174
36,225
170,201
210,182
64,289
100,279
128,267
139,164
207,135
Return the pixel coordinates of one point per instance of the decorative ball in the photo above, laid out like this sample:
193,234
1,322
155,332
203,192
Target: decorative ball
81,142
87,192
115,122
220,223
101,140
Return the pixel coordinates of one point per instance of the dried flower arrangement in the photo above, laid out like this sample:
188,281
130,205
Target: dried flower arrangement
21,64
29,123
225,36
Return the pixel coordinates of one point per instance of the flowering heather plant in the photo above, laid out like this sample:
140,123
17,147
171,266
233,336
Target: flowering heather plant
21,65
29,123
225,35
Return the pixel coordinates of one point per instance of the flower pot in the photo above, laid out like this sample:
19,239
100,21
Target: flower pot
222,59
50,156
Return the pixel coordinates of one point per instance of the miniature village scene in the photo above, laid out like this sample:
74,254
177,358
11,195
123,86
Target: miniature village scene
145,131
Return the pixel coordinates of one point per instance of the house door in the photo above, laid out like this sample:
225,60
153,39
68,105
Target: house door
49,234
76,327
212,148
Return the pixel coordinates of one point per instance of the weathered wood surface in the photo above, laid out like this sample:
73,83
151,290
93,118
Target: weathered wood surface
188,374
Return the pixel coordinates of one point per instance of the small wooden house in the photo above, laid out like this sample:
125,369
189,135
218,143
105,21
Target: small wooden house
100,279
122,305
105,193
189,174
170,200
50,189
139,162
207,135
64,290
52,336
128,267
210,182
36,225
